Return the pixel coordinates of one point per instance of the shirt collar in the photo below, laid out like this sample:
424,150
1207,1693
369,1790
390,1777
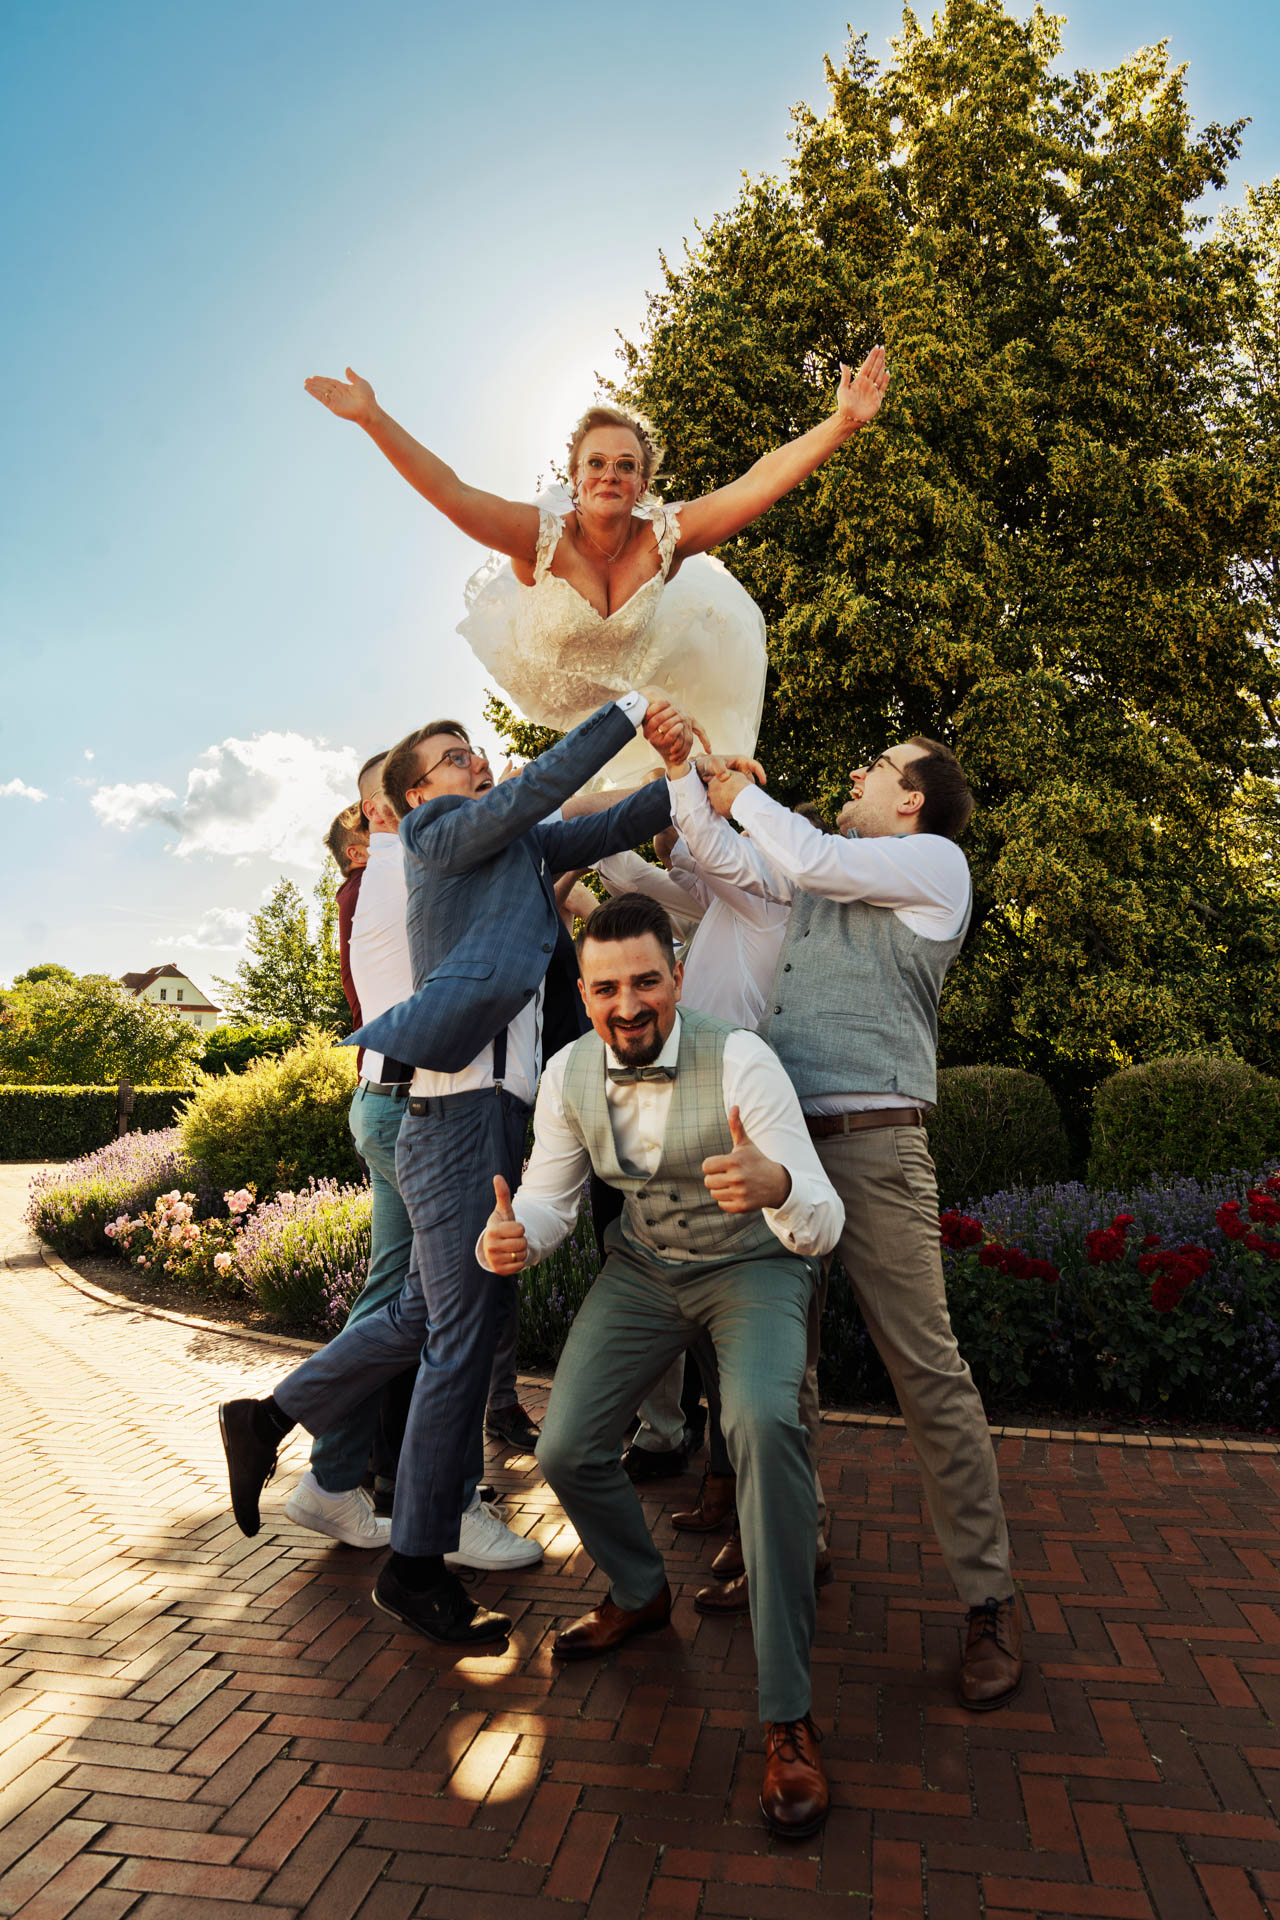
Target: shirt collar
384,846
667,1058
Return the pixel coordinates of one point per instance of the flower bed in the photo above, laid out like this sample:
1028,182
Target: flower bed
72,1206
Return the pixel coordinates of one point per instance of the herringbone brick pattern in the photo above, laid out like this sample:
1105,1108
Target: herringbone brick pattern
195,1723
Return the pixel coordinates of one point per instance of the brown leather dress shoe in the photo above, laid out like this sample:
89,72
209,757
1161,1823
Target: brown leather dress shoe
991,1671
729,1563
607,1626
715,1504
795,1797
733,1596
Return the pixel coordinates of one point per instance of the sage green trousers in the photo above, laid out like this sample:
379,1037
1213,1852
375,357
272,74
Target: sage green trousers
640,1314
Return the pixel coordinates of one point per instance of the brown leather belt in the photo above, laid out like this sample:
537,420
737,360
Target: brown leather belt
823,1125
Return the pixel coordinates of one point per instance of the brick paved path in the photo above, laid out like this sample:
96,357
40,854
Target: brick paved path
197,1724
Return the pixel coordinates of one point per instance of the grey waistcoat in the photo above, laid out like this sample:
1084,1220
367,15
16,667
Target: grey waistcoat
669,1213
854,1003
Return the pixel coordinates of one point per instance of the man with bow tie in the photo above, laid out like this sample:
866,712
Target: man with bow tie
727,1213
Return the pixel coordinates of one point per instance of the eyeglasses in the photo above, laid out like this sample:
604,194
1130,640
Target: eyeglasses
459,757
626,466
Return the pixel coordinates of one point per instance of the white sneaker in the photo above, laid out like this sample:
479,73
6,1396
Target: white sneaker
348,1517
486,1544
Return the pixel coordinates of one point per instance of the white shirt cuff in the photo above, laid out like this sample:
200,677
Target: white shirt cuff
635,706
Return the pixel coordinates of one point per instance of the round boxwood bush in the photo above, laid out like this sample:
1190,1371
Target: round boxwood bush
993,1128
1193,1114
279,1124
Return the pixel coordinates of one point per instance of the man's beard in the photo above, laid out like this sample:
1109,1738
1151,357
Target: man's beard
637,1049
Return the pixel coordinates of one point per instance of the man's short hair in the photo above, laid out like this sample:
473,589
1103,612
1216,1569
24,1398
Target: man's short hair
948,797
810,811
347,826
629,916
374,760
401,771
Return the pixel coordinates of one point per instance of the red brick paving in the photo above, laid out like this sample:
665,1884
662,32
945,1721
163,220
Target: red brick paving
196,1724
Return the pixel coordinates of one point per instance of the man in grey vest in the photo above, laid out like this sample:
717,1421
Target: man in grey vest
878,913
726,1214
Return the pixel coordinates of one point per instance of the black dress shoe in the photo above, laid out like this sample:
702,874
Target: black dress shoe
251,1461
443,1611
643,1463
513,1425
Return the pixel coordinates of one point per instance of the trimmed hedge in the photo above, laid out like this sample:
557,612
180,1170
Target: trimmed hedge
1193,1114
994,1127
60,1123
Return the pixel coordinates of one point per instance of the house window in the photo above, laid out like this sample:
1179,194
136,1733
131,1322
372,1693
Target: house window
178,994
164,993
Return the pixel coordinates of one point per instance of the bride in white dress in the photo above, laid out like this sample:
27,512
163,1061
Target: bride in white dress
589,593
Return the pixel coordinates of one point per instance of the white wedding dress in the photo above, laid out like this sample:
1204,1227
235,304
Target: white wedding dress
699,636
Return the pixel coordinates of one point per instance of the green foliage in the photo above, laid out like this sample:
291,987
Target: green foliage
278,1124
1035,553
41,974
232,1048
1191,1114
72,1206
290,975
57,1123
518,736
994,1127
306,1262
91,1031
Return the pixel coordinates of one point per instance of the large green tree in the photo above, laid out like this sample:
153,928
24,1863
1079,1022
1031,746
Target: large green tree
1034,553
290,974
91,1032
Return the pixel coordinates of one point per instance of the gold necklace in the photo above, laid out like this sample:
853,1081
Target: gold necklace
604,551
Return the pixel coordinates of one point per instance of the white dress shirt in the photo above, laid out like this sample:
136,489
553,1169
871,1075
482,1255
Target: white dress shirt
524,1035
379,949
808,1222
922,877
730,960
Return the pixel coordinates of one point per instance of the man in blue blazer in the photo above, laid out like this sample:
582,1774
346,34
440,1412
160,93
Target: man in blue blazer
480,863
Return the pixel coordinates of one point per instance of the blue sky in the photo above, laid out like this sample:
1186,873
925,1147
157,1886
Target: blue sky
206,203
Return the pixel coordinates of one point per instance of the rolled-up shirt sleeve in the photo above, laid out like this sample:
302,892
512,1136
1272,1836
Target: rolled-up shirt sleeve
811,1218
550,1193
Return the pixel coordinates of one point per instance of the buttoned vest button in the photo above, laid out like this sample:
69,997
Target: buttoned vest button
777,1009
787,968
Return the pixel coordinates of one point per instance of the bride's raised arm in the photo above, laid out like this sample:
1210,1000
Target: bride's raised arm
509,525
718,516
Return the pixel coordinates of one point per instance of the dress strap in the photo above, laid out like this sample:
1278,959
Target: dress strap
666,529
550,527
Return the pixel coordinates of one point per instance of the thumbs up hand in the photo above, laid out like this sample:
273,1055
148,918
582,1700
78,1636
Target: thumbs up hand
746,1179
503,1246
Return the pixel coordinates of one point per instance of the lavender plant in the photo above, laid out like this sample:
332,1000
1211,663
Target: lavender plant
304,1256
71,1206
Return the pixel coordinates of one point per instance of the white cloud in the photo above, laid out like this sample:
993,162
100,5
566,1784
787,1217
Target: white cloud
18,790
273,795
218,930
88,753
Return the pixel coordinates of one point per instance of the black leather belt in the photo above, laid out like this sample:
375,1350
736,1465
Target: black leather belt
823,1125
390,1089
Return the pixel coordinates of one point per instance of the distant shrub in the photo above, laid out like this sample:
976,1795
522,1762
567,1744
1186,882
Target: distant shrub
280,1124
58,1123
235,1047
994,1127
1192,1114
72,1206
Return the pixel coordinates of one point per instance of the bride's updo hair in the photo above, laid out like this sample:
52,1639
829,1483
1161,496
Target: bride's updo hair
607,416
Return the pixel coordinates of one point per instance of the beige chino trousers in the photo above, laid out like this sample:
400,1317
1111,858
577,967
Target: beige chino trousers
891,1251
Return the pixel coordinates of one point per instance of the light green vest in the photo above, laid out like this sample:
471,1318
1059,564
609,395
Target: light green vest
669,1213
854,1003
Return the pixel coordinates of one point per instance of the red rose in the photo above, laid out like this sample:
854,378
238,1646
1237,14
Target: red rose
992,1256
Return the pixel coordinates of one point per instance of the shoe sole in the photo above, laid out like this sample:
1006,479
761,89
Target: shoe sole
598,1653
315,1524
991,1706
699,1526
476,1565
781,1832
256,1528
441,1639
528,1445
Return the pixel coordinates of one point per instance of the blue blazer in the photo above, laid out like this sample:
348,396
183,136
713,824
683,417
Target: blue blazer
481,915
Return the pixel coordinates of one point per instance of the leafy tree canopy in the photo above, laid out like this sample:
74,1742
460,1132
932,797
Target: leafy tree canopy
1046,550
43,971
290,975
92,1032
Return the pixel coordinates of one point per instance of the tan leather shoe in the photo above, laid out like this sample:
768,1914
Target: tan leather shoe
991,1671
733,1596
795,1797
715,1504
607,1626
729,1563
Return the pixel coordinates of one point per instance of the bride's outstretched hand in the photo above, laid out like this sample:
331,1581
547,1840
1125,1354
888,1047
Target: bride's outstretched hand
351,399
859,394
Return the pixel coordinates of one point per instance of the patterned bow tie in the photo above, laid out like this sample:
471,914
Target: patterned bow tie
624,1074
